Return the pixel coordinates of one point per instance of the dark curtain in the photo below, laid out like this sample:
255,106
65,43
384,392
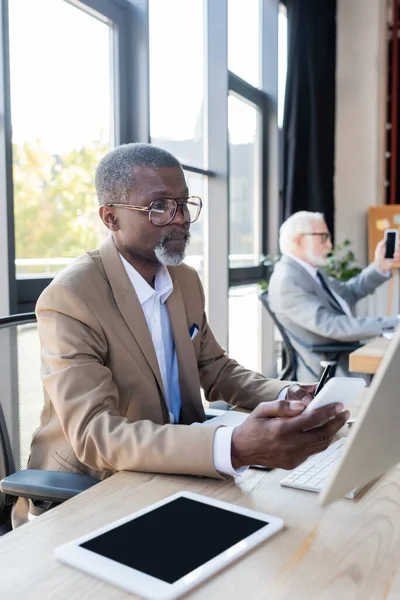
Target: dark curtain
309,116
389,130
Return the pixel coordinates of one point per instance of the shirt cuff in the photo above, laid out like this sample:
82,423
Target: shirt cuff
394,326
282,393
386,274
222,452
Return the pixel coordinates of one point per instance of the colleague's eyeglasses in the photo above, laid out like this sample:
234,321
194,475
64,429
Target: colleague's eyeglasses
325,236
161,212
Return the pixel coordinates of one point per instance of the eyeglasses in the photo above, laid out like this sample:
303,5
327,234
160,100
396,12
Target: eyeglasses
161,212
325,236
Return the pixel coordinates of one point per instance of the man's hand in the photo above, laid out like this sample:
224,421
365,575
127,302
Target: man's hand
302,392
381,263
286,441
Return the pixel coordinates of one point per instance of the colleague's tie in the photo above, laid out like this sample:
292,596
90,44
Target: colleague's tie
329,291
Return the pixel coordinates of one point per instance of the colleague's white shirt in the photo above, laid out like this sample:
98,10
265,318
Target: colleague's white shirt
156,313
313,272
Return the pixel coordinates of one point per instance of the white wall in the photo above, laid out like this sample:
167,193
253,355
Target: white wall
360,122
360,95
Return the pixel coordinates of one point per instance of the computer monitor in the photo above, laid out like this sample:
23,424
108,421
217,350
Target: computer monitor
373,444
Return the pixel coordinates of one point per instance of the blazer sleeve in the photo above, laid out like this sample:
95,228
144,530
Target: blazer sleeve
222,378
85,398
360,286
306,309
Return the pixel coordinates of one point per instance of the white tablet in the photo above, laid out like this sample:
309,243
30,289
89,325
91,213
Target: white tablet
165,549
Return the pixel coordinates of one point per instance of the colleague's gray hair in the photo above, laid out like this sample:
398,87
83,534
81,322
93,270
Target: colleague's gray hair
114,178
299,222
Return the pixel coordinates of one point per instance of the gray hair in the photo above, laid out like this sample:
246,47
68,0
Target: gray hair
299,222
114,179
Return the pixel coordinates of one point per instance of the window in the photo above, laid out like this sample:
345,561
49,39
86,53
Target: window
62,124
176,78
177,71
244,39
244,183
195,251
247,119
282,61
244,326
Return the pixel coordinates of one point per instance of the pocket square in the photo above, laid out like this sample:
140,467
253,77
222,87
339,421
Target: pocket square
193,331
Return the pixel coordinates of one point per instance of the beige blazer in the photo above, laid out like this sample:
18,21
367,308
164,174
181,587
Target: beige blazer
104,404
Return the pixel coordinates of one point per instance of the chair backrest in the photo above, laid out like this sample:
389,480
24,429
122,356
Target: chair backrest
290,363
21,390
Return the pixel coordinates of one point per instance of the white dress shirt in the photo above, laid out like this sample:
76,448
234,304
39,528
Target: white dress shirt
152,301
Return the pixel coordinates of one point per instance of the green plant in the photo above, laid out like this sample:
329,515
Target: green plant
341,262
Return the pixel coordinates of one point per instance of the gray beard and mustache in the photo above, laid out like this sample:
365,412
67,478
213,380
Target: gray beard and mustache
315,260
165,256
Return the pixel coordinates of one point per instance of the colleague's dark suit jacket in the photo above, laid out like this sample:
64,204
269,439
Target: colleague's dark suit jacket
104,403
310,315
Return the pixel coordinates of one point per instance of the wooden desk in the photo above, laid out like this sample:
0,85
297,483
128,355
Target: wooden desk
348,550
367,358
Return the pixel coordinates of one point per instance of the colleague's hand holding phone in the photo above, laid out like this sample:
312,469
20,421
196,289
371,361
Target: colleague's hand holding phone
387,251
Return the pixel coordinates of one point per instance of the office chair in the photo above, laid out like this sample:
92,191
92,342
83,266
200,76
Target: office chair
21,400
289,359
329,353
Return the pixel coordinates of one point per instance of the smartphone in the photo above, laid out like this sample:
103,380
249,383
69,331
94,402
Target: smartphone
337,389
391,239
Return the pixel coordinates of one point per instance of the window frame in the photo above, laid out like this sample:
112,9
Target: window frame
244,90
23,293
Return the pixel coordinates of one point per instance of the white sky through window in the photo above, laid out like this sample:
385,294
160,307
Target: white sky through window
61,72
60,75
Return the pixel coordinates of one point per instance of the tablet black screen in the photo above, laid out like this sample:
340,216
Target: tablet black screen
174,539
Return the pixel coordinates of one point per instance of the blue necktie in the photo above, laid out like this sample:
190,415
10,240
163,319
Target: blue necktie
174,388
329,292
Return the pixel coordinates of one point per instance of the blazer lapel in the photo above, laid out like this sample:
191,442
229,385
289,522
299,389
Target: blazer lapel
306,276
189,381
327,296
129,305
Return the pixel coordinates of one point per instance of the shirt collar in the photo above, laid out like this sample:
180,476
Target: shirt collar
162,284
309,268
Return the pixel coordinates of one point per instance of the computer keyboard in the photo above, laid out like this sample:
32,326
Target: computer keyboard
312,474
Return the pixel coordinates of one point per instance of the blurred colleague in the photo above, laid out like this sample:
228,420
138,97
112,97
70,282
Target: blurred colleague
317,309
126,347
